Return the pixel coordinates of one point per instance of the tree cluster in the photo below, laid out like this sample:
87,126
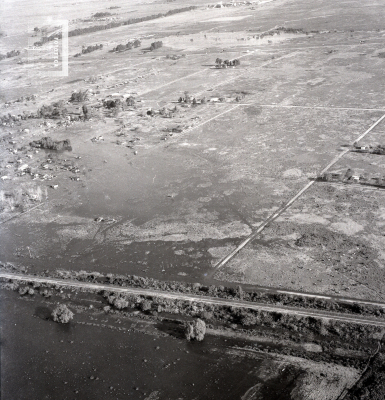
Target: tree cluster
191,100
277,31
156,45
195,330
112,103
62,314
226,63
55,110
89,49
127,46
175,56
111,25
81,95
10,54
102,14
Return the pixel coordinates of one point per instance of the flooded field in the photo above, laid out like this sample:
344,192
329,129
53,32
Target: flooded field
189,143
117,357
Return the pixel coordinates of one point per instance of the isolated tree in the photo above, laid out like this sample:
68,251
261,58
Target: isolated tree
218,61
62,314
130,101
349,173
195,330
187,98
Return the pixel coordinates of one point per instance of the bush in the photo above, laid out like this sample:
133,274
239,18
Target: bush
90,49
195,330
120,303
62,314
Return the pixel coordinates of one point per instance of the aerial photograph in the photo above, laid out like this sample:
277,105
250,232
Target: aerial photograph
192,200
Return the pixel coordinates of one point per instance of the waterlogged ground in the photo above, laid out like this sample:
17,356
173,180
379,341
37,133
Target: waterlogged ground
99,355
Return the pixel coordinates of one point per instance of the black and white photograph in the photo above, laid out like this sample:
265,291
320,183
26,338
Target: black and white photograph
192,200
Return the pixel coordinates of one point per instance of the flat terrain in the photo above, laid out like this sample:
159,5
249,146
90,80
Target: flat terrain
174,205
167,189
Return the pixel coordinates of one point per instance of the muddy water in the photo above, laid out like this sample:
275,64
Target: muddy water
138,190
110,360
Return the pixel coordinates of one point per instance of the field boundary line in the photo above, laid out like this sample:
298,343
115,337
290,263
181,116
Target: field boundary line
282,209
210,119
314,107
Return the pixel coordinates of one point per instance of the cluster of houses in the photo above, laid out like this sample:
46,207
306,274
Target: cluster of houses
379,149
351,177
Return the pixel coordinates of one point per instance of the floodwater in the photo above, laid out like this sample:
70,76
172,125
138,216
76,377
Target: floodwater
117,360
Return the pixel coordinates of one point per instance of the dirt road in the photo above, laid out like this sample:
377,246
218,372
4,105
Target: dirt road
206,299
282,209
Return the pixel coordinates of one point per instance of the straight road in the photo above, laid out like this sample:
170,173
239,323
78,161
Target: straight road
281,210
356,319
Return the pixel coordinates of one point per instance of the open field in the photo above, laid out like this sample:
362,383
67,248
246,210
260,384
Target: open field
176,170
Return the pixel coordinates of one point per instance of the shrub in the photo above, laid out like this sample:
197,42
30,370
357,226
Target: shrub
23,290
62,314
195,330
120,303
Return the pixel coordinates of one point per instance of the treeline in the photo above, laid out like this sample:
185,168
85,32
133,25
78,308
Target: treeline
113,24
243,317
89,49
10,54
230,293
102,14
127,46
277,31
156,45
